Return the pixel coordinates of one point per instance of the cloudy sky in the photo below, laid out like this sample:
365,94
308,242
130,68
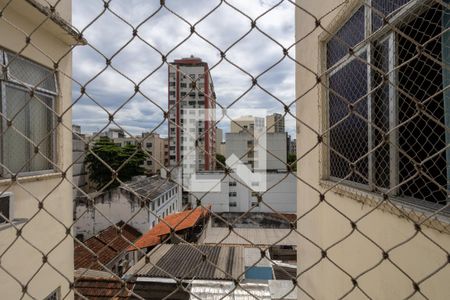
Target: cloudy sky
133,60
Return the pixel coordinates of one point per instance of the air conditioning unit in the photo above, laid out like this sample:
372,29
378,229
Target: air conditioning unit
6,207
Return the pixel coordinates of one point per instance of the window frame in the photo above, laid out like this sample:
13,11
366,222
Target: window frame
383,34
6,80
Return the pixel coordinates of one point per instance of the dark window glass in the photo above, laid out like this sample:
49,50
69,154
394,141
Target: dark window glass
4,208
380,114
382,8
348,125
348,36
421,109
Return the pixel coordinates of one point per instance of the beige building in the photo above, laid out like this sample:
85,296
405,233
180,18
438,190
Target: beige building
246,123
34,245
157,152
384,253
156,148
275,123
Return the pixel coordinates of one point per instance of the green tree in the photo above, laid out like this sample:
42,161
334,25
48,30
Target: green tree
220,161
114,156
291,158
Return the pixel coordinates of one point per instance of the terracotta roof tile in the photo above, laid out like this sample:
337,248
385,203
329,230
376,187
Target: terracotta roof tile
178,221
101,288
107,245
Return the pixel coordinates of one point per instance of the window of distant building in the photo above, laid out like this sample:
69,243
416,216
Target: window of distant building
233,204
388,104
232,194
28,93
232,183
149,145
55,295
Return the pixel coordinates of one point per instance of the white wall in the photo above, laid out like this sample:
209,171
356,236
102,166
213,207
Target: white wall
117,205
281,198
276,144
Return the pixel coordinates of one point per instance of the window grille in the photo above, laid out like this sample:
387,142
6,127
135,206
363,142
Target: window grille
28,143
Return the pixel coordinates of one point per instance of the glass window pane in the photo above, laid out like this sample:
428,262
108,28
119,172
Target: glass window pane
380,114
15,146
348,36
23,70
41,122
382,8
349,137
421,109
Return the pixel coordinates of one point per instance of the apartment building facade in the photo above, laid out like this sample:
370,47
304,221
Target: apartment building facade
36,199
275,123
191,87
155,147
236,196
367,209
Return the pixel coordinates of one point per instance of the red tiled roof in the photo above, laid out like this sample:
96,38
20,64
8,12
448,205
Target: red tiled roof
178,221
101,288
107,245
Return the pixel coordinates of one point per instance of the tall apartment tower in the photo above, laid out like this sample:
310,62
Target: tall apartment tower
275,123
191,87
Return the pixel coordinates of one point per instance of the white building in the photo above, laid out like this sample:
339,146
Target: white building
234,196
161,196
79,173
191,87
242,145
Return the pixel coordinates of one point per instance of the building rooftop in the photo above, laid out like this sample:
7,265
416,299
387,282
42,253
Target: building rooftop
174,222
104,247
249,236
187,261
148,187
201,289
100,288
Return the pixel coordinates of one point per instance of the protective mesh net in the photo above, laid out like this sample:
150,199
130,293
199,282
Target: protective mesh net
360,210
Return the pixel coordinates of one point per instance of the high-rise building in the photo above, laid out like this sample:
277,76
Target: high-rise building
191,87
275,123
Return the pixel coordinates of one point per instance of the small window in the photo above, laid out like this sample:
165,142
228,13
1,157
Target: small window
232,183
148,145
32,116
233,204
232,194
172,83
55,295
183,85
172,93
5,207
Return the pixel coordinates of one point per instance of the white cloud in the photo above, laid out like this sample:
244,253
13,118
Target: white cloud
164,31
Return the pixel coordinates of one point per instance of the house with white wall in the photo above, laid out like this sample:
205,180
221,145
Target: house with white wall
141,203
